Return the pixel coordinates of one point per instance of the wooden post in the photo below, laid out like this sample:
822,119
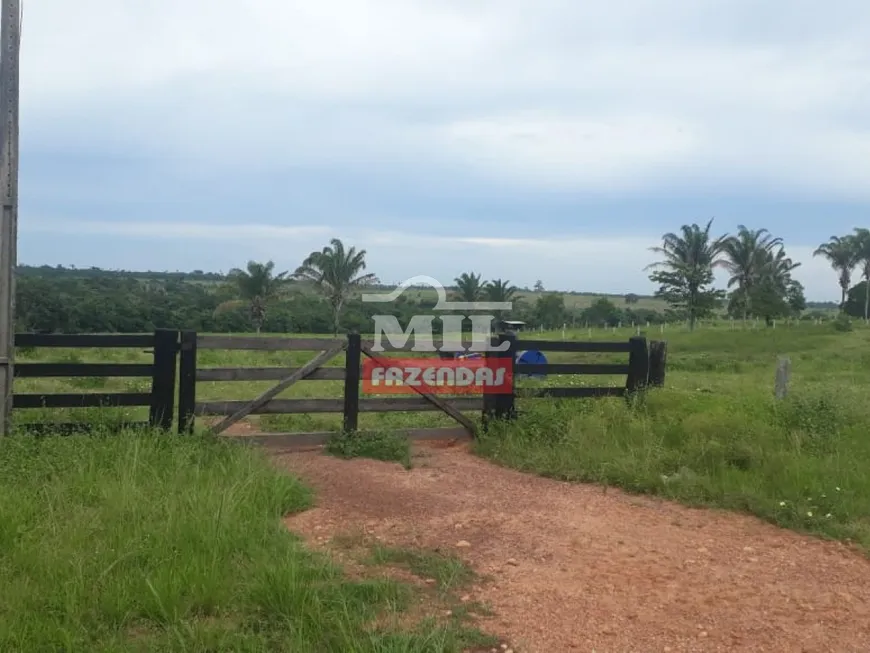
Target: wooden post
638,366
502,406
505,404
658,359
352,372
163,379
783,374
187,383
10,42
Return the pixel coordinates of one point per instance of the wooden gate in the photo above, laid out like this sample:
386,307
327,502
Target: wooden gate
350,405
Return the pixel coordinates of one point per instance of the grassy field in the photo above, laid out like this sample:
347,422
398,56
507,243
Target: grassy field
129,543
715,435
126,543
573,301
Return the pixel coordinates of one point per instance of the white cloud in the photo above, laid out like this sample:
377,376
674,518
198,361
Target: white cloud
175,230
544,93
575,262
553,150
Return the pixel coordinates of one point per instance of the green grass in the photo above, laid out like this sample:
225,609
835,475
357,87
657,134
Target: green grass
716,436
448,572
385,445
149,543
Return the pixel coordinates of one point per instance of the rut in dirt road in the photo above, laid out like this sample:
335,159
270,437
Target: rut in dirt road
575,568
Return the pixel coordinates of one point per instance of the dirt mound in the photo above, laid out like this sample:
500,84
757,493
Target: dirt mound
575,568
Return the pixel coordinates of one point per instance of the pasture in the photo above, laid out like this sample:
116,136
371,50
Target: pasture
713,436
122,543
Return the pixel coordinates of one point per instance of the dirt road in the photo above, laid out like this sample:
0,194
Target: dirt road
575,568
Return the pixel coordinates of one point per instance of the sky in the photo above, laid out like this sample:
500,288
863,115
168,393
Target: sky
551,140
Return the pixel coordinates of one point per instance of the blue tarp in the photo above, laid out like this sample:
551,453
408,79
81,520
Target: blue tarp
532,357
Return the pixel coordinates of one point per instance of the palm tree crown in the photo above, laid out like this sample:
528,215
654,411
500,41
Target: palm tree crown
687,267
258,285
747,257
469,287
842,254
862,255
335,271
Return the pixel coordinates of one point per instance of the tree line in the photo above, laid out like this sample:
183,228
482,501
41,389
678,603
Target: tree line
322,295
760,282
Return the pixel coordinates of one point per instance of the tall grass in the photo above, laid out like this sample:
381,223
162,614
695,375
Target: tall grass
149,543
716,435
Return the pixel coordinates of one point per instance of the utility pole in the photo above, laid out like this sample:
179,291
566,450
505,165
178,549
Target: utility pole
10,42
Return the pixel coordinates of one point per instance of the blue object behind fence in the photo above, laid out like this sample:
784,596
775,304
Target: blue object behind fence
532,357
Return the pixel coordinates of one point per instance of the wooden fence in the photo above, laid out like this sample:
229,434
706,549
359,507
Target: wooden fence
161,370
178,351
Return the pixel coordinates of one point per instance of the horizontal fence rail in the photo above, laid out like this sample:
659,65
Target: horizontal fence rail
267,374
85,340
82,370
371,405
635,369
174,374
160,400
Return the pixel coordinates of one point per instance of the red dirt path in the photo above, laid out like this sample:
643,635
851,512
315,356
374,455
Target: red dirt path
575,568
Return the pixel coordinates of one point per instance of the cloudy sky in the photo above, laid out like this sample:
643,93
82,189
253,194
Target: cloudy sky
523,139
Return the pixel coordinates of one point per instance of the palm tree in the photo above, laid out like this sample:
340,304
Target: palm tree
258,286
773,282
862,247
746,255
687,268
335,271
842,254
469,287
777,268
498,290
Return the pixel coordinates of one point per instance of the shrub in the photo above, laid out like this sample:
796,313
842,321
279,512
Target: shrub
843,323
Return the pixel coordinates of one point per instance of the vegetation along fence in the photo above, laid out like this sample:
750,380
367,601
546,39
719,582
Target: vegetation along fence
180,351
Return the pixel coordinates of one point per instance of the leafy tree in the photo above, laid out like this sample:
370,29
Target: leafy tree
602,311
335,272
745,257
469,287
539,286
686,272
631,298
841,253
795,298
258,286
550,310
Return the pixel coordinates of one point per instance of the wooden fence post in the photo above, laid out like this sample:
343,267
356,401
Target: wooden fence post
502,405
162,410
187,383
783,374
638,366
352,372
658,360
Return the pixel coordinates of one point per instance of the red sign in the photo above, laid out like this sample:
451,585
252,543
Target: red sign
437,376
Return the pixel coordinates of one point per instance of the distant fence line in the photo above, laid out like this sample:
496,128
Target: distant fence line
174,373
